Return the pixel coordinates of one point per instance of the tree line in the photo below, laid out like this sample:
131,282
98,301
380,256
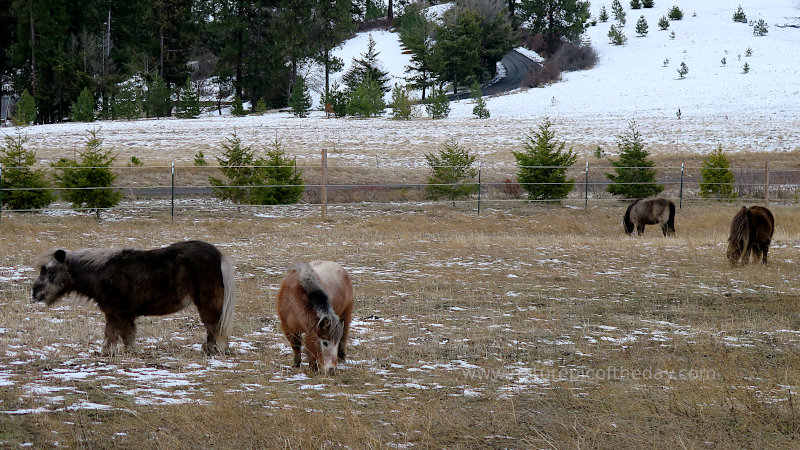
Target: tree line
124,59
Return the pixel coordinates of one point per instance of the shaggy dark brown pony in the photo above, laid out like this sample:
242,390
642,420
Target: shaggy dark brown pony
650,211
315,306
128,283
751,232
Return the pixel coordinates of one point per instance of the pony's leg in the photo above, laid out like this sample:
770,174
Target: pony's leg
296,342
210,318
764,250
639,229
347,316
111,337
746,255
127,330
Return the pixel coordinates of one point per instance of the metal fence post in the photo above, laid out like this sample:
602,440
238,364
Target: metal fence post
480,166
680,194
324,187
1,190
586,188
172,191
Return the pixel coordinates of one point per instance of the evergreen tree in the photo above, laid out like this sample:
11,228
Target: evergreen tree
636,4
401,103
237,165
683,69
285,182
23,188
479,110
157,101
556,19
616,36
451,172
88,183
760,28
618,12
648,3
438,105
717,177
633,175
456,56
417,34
300,99
739,15
603,16
641,26
26,110
127,102
366,67
543,165
675,13
237,108
663,23
83,109
366,100
337,100
188,101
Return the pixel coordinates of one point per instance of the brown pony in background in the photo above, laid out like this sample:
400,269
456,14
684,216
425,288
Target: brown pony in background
650,211
315,306
751,232
128,283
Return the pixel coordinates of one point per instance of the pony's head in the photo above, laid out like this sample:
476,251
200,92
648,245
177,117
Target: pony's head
54,279
322,344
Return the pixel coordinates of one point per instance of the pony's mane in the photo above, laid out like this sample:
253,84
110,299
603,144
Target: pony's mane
317,297
90,257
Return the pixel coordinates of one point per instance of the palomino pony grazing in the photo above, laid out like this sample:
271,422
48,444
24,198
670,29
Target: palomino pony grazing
650,211
751,231
127,283
316,300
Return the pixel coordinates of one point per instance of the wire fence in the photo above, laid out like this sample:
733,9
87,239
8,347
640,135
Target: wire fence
178,188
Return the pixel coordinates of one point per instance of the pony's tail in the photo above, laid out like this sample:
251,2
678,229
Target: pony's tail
671,221
316,295
626,221
740,228
229,298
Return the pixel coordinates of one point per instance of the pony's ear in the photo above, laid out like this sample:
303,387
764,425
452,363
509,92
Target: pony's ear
60,255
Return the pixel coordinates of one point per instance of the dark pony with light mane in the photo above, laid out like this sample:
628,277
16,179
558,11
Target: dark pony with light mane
650,211
128,283
315,306
751,232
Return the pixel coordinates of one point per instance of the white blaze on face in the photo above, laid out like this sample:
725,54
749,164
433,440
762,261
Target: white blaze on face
328,352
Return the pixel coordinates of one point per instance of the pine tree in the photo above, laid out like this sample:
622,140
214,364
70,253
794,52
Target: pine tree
648,3
739,15
23,188
636,4
83,108
663,23
237,108
368,66
366,100
157,101
543,165
416,33
641,26
401,103
188,101
451,172
675,13
284,182
603,16
760,28
88,183
237,165
479,110
438,105
683,69
127,103
634,176
717,177
26,110
556,20
618,12
616,36
300,99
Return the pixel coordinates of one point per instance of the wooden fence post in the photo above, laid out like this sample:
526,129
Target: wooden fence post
766,181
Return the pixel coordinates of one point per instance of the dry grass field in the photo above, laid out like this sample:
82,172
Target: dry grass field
526,326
